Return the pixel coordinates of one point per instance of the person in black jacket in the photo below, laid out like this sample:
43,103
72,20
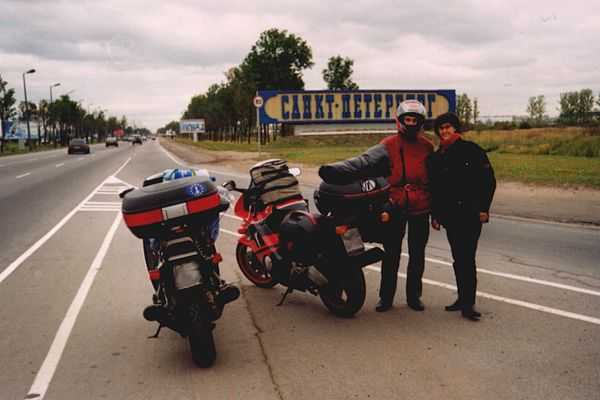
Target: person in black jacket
462,185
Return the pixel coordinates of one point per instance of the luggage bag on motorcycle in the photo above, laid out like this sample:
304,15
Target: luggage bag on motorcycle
274,182
359,197
156,211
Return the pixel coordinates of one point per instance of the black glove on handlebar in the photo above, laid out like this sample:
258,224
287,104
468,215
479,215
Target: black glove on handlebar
374,162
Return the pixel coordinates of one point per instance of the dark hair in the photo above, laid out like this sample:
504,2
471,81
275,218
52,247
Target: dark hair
447,118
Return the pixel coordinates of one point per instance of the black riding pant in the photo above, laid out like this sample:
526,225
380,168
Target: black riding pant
463,237
418,234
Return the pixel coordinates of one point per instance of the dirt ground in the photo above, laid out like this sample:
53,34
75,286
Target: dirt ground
512,199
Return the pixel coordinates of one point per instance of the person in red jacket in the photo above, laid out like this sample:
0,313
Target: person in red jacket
401,159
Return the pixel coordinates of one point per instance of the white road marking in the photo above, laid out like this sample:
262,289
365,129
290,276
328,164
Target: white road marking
46,372
521,278
60,165
520,303
22,176
499,274
15,264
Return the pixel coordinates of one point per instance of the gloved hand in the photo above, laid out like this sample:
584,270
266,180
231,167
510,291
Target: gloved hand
328,173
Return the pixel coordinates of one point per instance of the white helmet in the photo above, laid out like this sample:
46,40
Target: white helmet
410,108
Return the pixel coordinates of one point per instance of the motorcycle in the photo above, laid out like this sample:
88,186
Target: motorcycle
283,243
178,221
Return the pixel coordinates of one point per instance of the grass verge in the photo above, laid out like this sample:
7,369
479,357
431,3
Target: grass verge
566,157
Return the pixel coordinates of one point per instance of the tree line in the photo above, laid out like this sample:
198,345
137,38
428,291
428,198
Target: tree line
59,120
275,62
576,108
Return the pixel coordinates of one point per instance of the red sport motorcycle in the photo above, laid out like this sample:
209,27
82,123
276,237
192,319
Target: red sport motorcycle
284,243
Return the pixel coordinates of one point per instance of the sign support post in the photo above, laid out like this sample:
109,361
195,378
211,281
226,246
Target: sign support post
258,103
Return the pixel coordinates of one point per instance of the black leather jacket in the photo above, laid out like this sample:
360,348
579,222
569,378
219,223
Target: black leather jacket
462,182
374,162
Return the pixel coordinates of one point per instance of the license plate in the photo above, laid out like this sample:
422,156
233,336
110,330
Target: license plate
187,275
353,241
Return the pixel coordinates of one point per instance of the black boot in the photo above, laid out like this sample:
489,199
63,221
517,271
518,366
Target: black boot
456,306
471,314
416,305
383,306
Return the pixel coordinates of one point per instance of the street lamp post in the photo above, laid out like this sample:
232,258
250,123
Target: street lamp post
31,71
51,101
52,86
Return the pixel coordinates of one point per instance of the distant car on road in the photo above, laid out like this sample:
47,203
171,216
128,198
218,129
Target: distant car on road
112,141
78,146
136,139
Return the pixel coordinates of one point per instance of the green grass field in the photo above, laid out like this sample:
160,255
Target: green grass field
551,156
13,148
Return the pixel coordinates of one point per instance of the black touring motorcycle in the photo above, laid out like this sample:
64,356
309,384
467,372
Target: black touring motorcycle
282,242
178,221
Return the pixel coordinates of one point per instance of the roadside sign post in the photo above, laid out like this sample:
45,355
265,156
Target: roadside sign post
258,103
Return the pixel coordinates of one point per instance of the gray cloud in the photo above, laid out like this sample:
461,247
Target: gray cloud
146,59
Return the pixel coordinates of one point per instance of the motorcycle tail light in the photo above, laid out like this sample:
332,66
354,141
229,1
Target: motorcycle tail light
341,229
217,258
154,274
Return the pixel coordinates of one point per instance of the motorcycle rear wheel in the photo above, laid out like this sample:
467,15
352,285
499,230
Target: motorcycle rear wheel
345,297
202,344
254,271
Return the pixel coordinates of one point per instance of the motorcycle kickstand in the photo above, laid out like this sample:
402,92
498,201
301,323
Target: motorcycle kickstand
155,336
288,291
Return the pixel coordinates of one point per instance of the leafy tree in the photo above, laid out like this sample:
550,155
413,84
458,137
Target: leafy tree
7,106
585,105
536,108
43,118
29,108
338,74
475,111
276,61
464,109
576,107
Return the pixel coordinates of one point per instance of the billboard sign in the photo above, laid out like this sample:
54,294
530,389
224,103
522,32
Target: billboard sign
16,130
340,106
191,126
119,133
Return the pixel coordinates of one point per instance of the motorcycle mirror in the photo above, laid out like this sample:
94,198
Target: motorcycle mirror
124,192
229,185
295,171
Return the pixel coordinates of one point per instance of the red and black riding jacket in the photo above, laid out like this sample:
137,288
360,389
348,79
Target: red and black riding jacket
401,161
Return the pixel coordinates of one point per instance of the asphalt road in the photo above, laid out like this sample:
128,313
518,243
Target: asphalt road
73,285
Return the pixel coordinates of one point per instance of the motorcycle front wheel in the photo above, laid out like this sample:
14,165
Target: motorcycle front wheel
345,296
252,269
202,344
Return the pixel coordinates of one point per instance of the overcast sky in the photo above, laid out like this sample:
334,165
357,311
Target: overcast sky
145,59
